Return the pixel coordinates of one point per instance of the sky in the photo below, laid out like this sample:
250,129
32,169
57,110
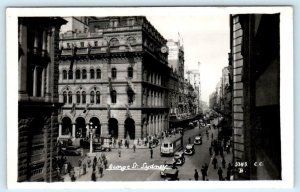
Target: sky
205,39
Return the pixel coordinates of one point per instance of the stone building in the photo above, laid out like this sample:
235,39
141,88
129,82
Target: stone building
255,49
115,76
176,62
38,97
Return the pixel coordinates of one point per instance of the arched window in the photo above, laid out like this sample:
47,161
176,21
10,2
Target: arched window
131,40
83,97
130,72
77,74
113,96
92,97
114,42
130,94
64,74
78,97
92,73
70,74
113,73
98,97
70,97
65,98
98,75
83,74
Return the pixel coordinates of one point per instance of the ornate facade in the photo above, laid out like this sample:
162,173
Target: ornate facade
38,97
114,76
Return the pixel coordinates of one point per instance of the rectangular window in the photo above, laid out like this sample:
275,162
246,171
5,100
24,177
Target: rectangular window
81,44
96,43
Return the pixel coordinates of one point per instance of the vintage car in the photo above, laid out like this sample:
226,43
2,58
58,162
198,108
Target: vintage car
179,158
198,140
170,171
71,151
189,149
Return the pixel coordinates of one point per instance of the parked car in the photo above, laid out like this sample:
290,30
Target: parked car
198,140
189,149
179,158
170,171
71,151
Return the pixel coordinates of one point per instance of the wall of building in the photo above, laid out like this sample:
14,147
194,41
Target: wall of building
238,117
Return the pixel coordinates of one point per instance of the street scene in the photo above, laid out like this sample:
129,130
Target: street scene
149,96
143,155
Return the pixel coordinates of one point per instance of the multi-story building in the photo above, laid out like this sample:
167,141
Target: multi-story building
38,97
255,49
193,76
176,62
115,76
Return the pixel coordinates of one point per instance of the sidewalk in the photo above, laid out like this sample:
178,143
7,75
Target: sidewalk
213,173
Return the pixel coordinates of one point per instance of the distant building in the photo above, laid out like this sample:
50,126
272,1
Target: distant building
255,49
194,78
38,97
115,76
176,63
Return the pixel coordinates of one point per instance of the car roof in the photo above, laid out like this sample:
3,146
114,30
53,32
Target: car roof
197,137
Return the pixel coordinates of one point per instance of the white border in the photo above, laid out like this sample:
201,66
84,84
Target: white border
286,96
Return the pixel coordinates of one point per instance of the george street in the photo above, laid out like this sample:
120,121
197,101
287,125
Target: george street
142,157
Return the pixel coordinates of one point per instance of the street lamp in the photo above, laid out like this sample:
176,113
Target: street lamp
91,130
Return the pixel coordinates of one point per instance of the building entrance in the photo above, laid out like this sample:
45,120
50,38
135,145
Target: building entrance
129,128
113,127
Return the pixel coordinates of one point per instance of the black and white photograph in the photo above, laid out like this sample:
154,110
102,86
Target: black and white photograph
193,95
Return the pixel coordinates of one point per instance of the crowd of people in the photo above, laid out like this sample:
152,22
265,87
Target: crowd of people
216,150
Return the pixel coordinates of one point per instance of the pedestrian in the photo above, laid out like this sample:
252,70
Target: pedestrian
221,151
151,153
210,151
119,152
84,168
189,140
206,169
72,175
69,168
229,169
215,161
203,173
220,172
223,162
227,149
212,136
100,167
134,148
196,175
93,177
95,160
105,163
89,162
119,143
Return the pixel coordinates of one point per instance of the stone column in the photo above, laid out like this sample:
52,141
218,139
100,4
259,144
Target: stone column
35,82
43,83
159,124
36,40
59,130
73,130
44,45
